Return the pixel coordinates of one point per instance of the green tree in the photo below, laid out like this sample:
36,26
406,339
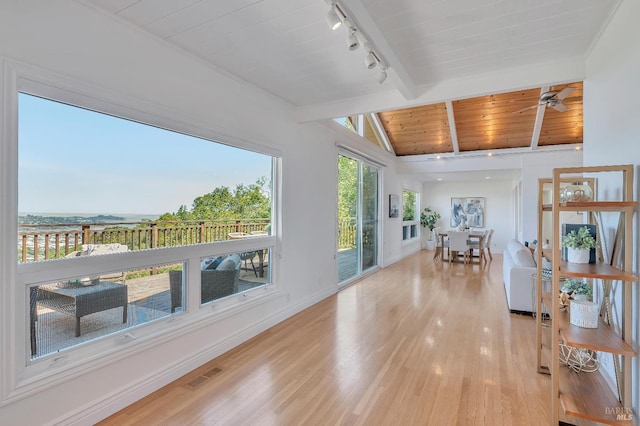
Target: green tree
244,202
347,187
408,205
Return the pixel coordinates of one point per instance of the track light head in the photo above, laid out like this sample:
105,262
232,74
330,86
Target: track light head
352,40
382,75
370,60
333,20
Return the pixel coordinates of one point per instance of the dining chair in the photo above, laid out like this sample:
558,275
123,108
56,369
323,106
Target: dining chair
479,244
458,243
439,243
487,244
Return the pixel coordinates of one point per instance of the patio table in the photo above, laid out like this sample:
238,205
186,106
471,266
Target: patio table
83,300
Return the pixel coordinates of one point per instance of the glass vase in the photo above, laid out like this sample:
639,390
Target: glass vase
576,192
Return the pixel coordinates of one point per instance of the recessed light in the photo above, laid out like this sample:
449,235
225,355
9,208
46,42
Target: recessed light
487,177
438,157
439,179
490,154
578,148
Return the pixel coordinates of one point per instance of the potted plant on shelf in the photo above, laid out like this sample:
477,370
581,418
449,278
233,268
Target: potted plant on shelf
579,245
577,289
428,219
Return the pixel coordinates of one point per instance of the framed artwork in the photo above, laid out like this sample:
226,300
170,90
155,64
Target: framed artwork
469,210
394,205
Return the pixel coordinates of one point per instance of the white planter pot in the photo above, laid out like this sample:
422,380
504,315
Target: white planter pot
430,245
584,314
578,256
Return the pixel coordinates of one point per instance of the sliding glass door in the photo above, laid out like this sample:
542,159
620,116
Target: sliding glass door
357,217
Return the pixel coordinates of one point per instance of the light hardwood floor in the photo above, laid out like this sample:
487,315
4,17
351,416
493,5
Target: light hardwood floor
419,343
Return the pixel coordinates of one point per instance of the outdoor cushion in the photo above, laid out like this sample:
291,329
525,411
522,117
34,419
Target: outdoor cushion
210,263
228,264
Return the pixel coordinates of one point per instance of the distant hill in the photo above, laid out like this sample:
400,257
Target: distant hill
31,219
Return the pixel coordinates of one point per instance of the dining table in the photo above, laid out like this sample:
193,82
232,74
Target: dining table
473,235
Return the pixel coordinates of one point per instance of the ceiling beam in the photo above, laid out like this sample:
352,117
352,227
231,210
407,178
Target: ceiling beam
508,80
452,128
397,72
537,127
382,133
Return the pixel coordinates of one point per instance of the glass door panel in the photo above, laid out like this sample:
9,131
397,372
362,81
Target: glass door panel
357,217
369,214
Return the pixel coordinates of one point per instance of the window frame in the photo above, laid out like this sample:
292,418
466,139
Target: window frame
25,376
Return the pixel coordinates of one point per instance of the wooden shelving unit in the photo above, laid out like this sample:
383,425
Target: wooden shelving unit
588,395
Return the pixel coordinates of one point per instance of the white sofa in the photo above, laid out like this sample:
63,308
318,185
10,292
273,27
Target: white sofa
518,266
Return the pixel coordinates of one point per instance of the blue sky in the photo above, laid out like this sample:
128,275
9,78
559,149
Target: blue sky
76,161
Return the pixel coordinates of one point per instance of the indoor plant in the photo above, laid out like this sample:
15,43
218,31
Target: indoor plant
577,289
428,219
579,245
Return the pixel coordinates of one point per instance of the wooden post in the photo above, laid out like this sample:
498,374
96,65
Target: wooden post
154,235
85,234
24,248
46,246
35,248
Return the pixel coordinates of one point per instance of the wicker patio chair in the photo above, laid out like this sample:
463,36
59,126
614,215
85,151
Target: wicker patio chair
214,283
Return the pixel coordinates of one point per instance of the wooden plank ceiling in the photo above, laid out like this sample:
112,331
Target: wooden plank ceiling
486,123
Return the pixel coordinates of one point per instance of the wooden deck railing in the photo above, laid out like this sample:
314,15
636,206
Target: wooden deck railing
52,241
346,233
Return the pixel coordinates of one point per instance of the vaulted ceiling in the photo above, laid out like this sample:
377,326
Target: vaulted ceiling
486,123
458,69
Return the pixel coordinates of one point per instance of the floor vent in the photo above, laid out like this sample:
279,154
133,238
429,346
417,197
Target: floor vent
197,382
201,379
212,372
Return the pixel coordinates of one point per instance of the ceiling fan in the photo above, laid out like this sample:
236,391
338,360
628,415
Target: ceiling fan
551,99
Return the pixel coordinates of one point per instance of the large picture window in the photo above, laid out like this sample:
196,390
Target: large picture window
113,212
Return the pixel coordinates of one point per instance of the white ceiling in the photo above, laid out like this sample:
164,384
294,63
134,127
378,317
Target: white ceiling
286,48
436,50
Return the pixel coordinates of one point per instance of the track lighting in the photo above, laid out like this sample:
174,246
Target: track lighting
382,75
352,39
333,19
370,60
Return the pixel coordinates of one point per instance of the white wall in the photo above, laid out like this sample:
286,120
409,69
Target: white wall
612,128
75,46
535,167
498,205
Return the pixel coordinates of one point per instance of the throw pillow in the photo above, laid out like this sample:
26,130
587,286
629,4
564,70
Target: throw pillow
210,263
523,257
